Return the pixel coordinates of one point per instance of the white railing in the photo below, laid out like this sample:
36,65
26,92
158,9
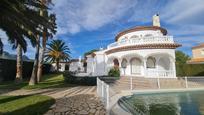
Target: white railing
107,92
103,92
143,40
160,73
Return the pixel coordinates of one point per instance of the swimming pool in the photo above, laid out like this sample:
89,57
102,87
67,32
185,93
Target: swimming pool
183,103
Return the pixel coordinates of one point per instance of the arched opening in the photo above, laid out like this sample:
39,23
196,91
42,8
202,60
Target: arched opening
135,66
164,64
124,65
151,62
148,35
134,36
116,63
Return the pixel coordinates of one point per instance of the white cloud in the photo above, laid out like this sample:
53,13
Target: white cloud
184,11
89,14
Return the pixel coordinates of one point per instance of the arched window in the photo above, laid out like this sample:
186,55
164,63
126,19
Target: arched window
148,35
116,63
151,62
124,63
134,36
135,66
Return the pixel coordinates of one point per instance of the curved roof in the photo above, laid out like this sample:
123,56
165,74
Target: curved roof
140,28
145,46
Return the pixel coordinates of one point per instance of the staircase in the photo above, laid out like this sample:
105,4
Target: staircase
138,83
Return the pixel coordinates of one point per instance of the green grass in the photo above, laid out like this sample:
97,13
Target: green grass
48,81
25,105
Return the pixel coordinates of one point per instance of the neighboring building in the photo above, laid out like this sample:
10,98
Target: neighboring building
198,55
76,65
63,66
140,51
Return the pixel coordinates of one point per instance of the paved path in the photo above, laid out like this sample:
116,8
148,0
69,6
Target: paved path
80,100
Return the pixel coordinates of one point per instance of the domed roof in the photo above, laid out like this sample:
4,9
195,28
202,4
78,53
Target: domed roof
140,28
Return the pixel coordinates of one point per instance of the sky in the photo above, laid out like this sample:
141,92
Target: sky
90,24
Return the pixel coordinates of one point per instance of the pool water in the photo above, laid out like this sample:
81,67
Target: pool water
184,103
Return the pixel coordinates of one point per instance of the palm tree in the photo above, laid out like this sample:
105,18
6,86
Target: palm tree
19,65
20,19
44,40
57,51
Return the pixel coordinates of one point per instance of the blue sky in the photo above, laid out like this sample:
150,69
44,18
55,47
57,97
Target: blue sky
91,24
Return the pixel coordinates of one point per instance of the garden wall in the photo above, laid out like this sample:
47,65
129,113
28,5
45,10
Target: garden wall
8,69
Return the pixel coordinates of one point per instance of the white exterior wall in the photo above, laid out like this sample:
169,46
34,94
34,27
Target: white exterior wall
61,68
142,55
141,34
74,66
90,64
99,69
165,58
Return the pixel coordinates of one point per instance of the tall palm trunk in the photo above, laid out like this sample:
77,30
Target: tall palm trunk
57,64
19,65
33,78
41,57
42,50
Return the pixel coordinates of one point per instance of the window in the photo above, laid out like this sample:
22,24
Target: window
151,62
134,36
148,35
124,63
202,52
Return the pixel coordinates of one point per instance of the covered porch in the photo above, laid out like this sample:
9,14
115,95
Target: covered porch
154,65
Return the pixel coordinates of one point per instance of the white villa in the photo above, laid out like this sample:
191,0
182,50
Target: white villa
144,51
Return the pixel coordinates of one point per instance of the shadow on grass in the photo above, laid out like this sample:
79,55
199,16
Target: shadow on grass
5,99
48,81
26,107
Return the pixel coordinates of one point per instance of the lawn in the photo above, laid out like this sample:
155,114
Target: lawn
48,81
25,105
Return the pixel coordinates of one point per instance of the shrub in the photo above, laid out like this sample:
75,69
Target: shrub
190,70
85,80
114,72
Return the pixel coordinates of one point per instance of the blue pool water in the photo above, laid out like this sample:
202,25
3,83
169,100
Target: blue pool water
184,103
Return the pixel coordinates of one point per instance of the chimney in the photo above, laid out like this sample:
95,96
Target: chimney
156,20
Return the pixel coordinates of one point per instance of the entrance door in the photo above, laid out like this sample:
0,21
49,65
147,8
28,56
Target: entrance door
135,66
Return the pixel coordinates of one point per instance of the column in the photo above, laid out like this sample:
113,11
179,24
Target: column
120,67
145,67
157,66
173,64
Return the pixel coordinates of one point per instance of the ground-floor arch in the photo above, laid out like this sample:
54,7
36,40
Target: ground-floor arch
136,68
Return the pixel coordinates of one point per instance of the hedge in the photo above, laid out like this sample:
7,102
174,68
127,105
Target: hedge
190,69
85,80
8,69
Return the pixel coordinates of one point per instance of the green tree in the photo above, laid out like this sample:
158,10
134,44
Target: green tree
90,52
45,36
39,55
181,59
57,51
21,19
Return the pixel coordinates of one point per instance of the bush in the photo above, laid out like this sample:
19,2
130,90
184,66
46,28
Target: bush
86,80
114,72
190,69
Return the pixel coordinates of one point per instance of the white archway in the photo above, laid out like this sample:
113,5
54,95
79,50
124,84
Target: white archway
164,64
136,68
